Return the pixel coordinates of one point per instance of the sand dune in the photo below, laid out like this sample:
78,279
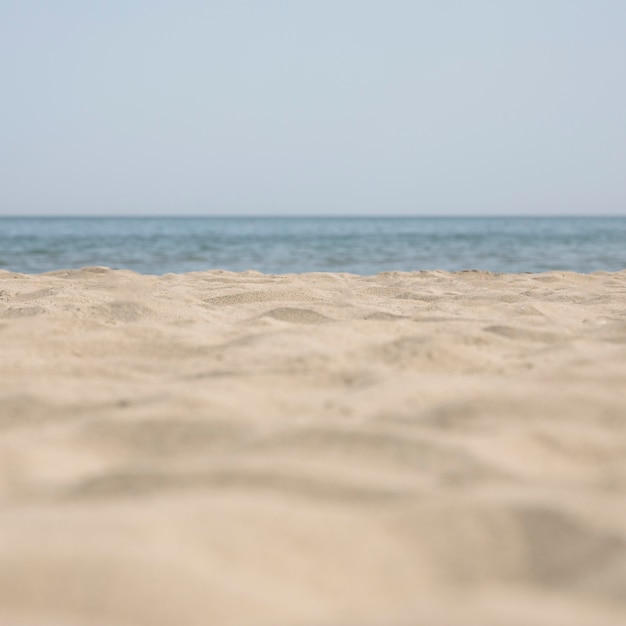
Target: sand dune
312,450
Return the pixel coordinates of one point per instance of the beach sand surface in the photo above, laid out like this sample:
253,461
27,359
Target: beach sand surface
242,449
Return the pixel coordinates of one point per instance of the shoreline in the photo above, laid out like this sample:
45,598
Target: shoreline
105,269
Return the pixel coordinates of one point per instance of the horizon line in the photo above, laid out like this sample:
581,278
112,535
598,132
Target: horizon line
308,216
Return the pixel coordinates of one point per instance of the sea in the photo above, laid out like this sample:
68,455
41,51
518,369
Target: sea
280,245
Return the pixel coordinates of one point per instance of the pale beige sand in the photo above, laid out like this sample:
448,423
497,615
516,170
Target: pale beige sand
312,450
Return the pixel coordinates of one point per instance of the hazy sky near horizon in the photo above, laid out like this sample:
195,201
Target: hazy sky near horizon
313,107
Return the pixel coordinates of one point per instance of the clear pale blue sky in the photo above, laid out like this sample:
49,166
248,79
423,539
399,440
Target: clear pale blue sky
313,107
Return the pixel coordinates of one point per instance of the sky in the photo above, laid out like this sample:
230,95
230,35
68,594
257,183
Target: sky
341,107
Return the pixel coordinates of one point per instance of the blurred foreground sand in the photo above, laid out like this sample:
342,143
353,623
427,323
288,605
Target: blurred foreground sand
312,450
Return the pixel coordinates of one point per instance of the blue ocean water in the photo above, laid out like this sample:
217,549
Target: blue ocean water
157,245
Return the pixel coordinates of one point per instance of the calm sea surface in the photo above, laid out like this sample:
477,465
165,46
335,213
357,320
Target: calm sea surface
285,245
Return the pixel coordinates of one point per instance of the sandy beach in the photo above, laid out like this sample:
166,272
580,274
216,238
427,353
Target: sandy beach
241,449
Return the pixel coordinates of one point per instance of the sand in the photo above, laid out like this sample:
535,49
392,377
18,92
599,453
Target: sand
242,449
